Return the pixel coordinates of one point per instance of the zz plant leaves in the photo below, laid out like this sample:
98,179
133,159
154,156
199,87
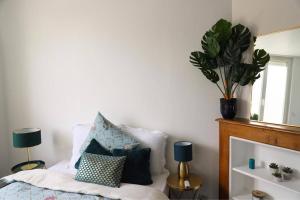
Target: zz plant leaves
222,57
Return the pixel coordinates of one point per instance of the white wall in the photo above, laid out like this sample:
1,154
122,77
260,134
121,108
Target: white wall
266,16
65,60
284,43
4,150
294,106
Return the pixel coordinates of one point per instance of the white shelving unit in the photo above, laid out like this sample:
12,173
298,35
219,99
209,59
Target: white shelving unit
243,197
243,180
264,175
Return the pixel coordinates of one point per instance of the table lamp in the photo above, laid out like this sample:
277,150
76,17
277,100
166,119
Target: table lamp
183,154
26,138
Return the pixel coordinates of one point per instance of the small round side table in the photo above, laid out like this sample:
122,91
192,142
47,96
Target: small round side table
177,184
33,164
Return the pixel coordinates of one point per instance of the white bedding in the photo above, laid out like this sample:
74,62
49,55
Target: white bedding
60,181
159,181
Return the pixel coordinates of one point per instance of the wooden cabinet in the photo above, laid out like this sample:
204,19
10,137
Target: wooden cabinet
253,134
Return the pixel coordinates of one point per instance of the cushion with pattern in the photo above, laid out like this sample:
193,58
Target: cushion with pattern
108,135
100,169
94,148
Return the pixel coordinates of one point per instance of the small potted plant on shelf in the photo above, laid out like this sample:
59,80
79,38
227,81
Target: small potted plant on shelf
287,173
277,176
273,167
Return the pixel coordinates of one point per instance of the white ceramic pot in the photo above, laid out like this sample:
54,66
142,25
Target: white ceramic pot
272,170
277,179
286,176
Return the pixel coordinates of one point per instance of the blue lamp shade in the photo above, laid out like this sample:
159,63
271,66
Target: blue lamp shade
183,151
26,137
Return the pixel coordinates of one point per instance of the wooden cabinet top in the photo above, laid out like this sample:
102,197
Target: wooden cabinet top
262,125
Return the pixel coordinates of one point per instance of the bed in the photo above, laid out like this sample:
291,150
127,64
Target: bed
42,184
159,181
58,183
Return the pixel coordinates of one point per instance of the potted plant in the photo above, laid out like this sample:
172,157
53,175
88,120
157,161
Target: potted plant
287,173
254,117
273,167
277,176
221,61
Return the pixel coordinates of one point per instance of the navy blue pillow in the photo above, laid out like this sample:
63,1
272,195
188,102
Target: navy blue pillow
137,166
94,148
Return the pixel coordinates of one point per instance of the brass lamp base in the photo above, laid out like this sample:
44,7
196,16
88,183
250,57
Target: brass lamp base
29,166
183,170
34,164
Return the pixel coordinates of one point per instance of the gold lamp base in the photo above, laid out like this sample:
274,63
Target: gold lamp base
29,166
183,170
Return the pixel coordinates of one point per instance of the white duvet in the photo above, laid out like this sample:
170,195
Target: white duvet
65,182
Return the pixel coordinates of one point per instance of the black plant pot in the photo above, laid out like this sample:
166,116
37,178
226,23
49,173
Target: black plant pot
228,108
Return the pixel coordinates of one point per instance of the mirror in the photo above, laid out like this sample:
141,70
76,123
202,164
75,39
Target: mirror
276,95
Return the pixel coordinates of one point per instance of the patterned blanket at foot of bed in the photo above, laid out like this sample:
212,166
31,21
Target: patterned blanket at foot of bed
42,184
25,191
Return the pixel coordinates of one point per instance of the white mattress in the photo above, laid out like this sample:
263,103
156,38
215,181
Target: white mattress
159,181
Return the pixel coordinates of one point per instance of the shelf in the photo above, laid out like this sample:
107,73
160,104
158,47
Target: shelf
264,175
243,197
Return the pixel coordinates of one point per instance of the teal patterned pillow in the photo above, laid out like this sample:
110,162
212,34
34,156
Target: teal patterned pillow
108,135
100,169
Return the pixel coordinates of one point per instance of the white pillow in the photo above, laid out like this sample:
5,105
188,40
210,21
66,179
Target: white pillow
80,133
156,140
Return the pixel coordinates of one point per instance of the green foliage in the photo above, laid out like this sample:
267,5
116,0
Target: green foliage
199,60
273,165
287,170
223,47
215,39
277,175
254,117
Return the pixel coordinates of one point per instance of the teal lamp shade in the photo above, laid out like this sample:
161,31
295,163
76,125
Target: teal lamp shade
183,151
26,137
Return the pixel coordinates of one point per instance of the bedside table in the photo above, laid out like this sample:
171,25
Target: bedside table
34,164
177,184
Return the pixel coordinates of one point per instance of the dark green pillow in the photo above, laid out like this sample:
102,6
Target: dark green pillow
137,166
94,148
99,169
